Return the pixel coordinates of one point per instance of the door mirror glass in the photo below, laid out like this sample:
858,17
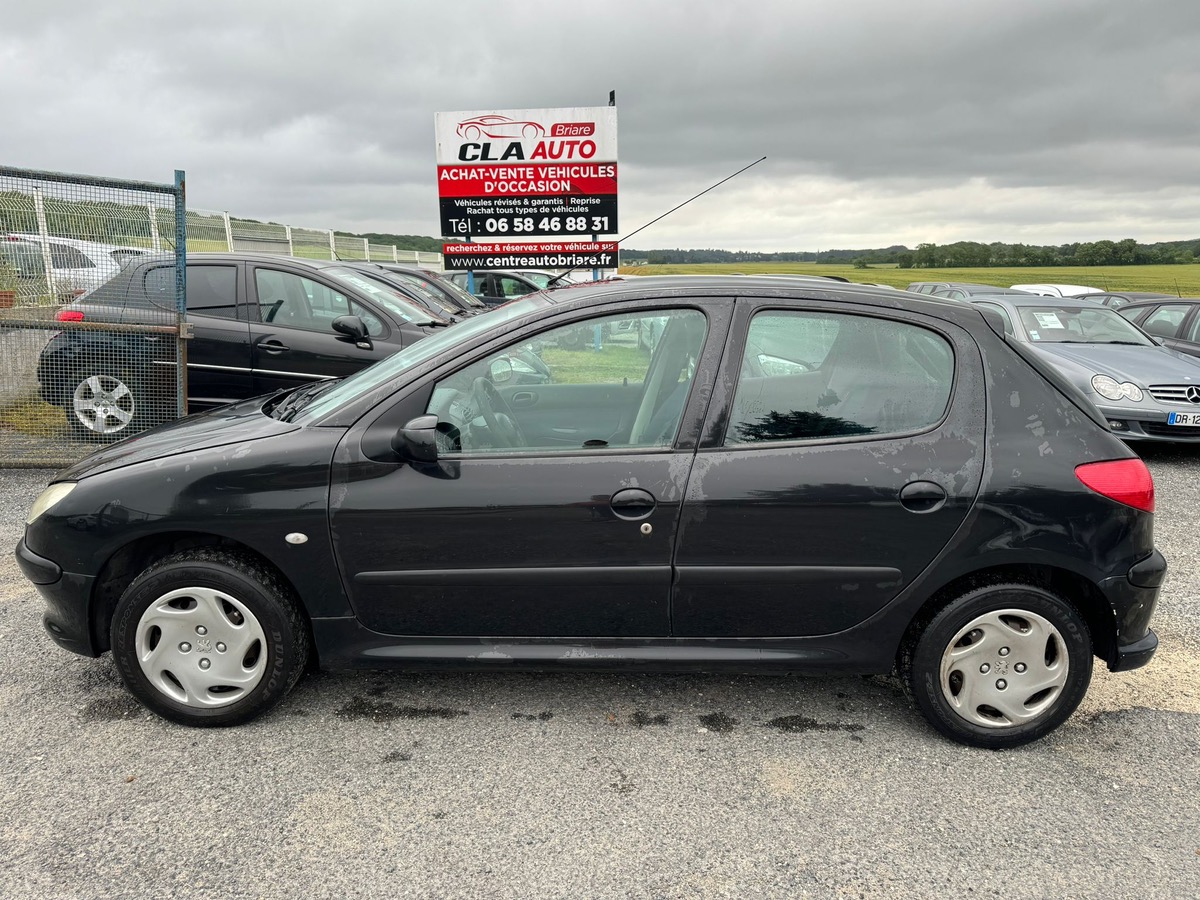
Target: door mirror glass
501,370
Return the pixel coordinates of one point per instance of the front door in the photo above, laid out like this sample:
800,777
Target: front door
843,464
294,342
552,511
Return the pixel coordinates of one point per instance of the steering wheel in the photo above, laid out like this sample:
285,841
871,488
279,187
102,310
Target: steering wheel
496,412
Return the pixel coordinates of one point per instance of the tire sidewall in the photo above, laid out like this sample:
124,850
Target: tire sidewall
283,660
925,666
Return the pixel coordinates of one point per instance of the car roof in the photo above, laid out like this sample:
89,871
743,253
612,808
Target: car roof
78,244
1163,300
1019,300
1133,295
730,287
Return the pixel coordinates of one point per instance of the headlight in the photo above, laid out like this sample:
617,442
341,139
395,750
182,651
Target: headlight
48,498
1110,389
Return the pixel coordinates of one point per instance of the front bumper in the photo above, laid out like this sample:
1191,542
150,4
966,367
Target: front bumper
66,618
1136,423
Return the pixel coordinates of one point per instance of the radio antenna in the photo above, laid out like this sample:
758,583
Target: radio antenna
668,212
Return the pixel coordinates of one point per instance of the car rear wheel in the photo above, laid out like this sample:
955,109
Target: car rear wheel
104,406
209,638
999,666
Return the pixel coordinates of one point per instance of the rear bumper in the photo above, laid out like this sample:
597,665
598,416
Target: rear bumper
1133,598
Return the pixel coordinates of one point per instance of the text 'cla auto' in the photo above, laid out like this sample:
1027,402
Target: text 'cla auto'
745,474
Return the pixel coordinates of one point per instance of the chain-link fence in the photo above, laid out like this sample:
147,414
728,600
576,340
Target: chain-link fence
86,355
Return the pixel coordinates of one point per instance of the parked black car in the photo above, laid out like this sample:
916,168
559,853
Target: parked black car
260,323
438,283
796,477
418,292
494,288
1175,321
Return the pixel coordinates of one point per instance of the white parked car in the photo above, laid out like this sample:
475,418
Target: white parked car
1057,290
80,266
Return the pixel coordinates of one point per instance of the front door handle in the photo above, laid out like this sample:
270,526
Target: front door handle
272,346
632,504
922,496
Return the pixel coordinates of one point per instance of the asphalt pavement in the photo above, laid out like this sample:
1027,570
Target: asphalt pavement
577,785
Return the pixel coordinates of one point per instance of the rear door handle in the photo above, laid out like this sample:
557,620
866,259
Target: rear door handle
272,346
922,496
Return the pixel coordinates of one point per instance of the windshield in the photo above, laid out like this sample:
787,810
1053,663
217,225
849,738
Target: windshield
443,342
445,284
426,296
387,297
1075,325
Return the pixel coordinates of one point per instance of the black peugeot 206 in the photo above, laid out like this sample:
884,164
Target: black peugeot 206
746,474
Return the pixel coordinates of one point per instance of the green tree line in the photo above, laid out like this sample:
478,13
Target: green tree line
963,254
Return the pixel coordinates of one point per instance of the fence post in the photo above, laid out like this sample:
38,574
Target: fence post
181,290
291,251
155,241
367,249
39,205
228,232
332,245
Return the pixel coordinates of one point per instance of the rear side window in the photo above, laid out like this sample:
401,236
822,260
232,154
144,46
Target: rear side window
64,257
211,290
812,376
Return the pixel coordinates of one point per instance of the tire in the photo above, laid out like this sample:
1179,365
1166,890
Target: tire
999,666
209,638
105,406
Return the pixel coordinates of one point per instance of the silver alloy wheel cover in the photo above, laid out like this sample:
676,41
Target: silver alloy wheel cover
103,404
995,691
178,643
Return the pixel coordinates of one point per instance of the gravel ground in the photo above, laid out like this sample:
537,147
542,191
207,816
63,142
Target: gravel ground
469,785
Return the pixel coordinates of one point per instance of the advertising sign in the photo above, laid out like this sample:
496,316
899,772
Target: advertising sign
527,173
537,255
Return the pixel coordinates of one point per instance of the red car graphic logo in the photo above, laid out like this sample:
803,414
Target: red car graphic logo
499,127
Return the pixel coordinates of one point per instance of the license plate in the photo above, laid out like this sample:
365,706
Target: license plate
1183,418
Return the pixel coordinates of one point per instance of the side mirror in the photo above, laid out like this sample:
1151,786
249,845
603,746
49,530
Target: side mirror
419,441
351,328
501,370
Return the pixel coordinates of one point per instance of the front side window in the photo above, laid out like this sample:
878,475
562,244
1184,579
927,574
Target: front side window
1165,320
812,376
293,301
608,383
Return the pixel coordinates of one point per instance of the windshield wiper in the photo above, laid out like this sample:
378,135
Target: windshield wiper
300,398
1125,343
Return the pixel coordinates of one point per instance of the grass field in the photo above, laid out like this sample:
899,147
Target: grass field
1183,280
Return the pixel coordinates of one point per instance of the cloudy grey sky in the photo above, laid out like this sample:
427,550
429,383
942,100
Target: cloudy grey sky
883,122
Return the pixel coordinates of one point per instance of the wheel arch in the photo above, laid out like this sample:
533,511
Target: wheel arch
132,559
1087,599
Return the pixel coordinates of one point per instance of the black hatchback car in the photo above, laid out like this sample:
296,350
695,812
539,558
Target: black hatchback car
260,323
749,474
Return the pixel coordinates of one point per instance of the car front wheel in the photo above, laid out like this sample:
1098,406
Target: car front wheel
209,638
999,666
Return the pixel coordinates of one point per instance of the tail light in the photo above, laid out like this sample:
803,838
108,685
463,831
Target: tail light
1127,481
68,315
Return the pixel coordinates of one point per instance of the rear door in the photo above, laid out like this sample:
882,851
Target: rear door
842,451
